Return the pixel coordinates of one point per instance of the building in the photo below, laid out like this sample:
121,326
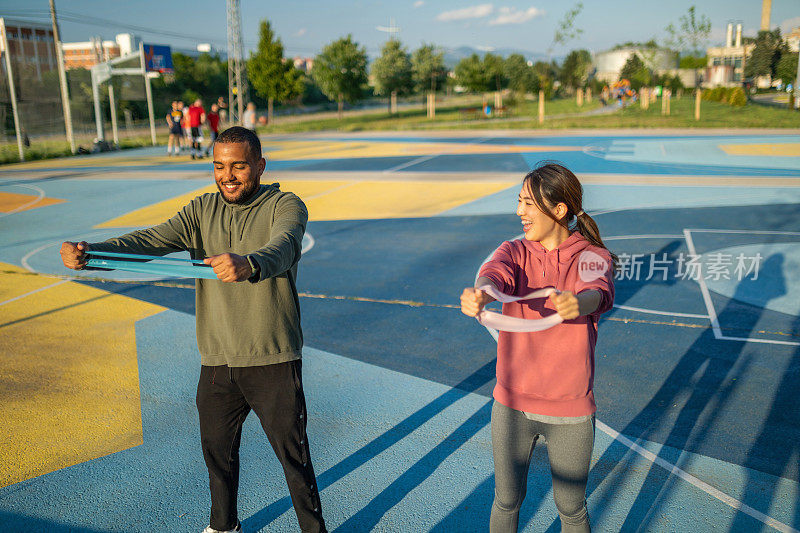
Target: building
200,49
609,64
86,54
30,44
725,65
304,63
793,40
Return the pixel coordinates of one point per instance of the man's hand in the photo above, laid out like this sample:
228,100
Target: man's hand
473,301
230,267
73,256
566,304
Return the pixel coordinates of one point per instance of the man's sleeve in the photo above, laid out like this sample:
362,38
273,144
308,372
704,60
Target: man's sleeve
171,236
282,251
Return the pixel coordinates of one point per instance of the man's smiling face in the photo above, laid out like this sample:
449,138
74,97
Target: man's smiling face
237,171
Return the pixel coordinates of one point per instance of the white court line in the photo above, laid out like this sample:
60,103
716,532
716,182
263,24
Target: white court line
29,204
426,158
34,291
712,312
670,467
654,312
692,480
743,231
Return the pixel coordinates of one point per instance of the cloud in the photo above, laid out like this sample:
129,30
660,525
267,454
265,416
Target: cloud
300,32
789,24
419,3
474,12
486,48
512,15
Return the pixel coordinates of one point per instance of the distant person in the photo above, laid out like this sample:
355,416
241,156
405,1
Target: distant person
223,109
212,119
174,118
187,130
249,117
197,116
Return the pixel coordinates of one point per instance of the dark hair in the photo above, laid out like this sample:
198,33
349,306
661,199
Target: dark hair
238,134
550,184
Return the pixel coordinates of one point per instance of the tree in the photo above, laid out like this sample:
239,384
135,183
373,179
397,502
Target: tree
494,68
636,72
786,69
470,74
547,74
269,73
427,68
340,70
692,33
392,70
766,55
566,30
575,69
522,78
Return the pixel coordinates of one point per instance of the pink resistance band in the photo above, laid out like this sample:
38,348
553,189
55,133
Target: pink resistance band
512,324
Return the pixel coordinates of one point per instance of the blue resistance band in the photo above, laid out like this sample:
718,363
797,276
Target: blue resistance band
163,266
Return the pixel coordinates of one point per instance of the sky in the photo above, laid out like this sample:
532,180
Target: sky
305,26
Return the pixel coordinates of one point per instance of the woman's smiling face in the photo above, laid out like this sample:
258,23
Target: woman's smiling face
536,224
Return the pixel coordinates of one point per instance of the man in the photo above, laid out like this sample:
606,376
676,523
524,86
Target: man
197,116
249,117
175,131
248,321
213,125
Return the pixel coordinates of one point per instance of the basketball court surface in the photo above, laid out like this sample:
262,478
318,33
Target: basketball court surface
697,367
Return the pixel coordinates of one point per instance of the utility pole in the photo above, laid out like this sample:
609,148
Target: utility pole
62,78
11,89
237,77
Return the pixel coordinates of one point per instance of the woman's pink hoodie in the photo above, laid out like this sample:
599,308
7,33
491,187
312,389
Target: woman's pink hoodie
549,372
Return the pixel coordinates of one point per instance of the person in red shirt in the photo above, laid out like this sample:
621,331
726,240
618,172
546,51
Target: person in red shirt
545,378
197,116
213,125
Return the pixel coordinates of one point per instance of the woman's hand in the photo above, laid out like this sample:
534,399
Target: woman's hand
473,301
566,304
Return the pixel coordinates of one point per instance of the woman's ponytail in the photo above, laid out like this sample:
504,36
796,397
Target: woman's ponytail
587,227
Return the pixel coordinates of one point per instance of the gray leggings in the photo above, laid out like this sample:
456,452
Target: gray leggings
569,448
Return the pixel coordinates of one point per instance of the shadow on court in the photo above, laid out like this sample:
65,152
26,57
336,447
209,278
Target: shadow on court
371,514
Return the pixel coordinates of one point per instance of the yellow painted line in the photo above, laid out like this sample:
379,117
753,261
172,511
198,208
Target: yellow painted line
10,201
161,211
396,199
343,200
300,150
69,380
772,149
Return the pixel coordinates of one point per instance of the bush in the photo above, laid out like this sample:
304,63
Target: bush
736,97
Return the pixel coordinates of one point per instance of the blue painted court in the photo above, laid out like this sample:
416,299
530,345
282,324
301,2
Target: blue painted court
697,371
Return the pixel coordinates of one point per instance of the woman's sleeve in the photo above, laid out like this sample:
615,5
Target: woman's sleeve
603,283
501,269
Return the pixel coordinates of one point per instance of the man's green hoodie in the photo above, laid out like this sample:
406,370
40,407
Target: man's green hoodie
238,324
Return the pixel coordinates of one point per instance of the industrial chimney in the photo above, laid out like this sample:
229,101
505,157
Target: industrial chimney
739,35
766,7
729,36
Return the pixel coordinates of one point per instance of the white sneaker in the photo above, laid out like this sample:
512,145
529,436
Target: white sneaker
237,529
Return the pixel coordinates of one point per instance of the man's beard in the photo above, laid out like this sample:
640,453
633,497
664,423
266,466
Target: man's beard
245,195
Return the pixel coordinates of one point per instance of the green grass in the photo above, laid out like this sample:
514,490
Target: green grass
449,117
